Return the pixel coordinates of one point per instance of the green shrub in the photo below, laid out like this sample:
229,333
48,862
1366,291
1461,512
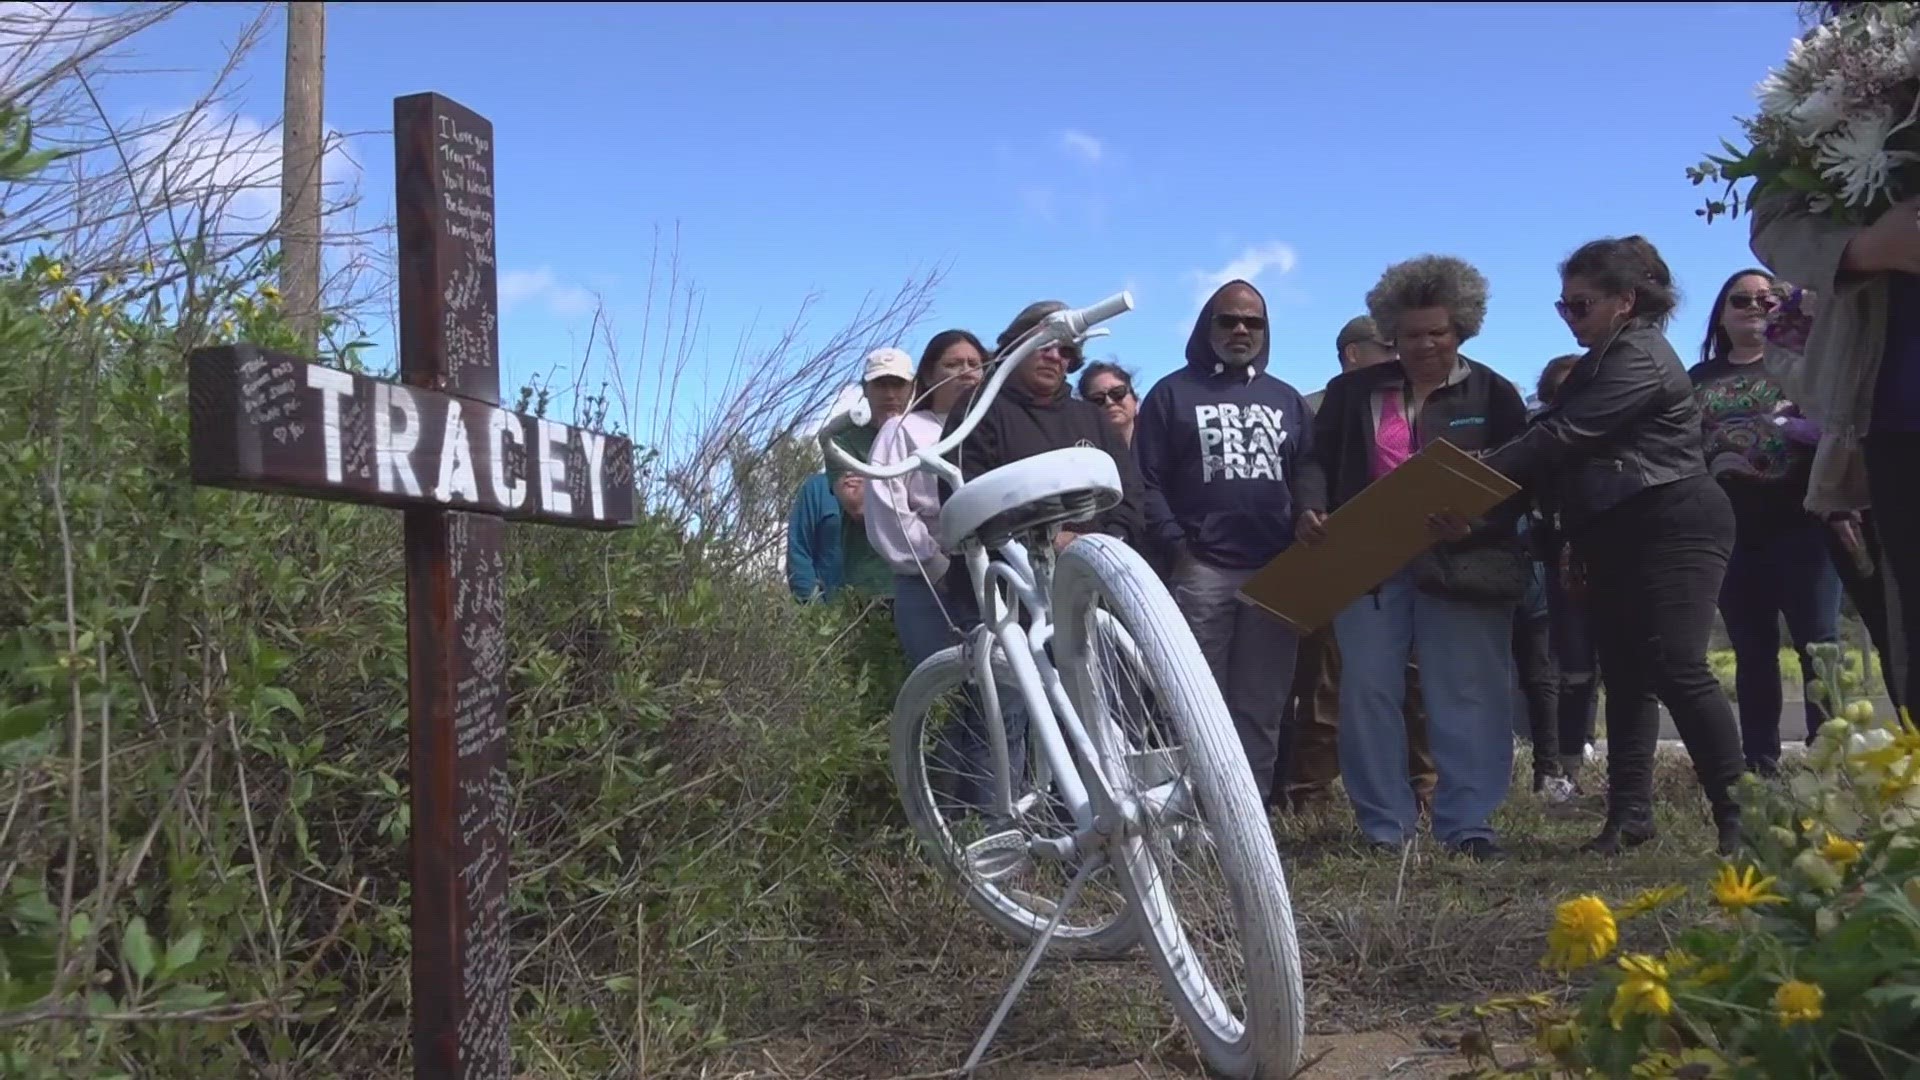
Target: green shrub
1859,674
203,743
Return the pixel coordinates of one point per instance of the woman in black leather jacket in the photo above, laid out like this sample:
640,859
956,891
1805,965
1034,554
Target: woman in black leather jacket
1619,455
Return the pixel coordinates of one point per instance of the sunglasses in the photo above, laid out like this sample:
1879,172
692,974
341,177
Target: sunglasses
1741,301
1234,322
1576,308
1112,396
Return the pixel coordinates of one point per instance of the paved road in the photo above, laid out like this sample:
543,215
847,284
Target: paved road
1793,718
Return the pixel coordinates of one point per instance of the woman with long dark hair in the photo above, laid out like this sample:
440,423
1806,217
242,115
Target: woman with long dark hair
1760,449
903,514
1618,454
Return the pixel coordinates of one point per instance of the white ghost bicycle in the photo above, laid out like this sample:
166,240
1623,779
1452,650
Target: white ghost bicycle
1127,815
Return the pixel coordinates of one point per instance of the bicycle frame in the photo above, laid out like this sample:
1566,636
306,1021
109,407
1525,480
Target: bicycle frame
1052,721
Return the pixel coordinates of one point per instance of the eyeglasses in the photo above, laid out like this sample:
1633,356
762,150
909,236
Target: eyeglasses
1234,322
1576,308
1069,353
1741,301
1111,396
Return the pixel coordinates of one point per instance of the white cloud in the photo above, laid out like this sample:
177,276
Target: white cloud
1083,146
1274,256
36,38
543,287
231,162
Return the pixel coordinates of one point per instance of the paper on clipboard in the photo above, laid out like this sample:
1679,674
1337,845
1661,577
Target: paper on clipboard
1374,534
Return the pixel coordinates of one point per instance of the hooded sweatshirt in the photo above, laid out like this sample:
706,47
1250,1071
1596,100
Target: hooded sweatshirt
1218,447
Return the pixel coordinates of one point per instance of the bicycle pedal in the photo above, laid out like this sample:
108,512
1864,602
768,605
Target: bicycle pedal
994,857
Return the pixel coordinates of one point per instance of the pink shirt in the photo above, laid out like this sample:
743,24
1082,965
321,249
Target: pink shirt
1392,436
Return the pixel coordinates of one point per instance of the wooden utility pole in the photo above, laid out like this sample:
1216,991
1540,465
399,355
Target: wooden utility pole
301,150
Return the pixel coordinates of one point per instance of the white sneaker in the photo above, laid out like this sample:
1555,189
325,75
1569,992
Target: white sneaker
1591,754
1557,790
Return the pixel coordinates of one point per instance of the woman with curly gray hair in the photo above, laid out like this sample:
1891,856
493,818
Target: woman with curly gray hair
1451,609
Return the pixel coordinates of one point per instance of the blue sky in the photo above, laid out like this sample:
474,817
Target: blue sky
1050,151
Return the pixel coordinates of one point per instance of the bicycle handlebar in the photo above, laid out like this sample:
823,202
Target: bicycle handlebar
1074,324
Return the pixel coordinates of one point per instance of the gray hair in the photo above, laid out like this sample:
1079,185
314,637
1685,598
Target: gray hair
1430,281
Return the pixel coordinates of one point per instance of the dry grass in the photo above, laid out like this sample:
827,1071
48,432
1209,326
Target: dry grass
1385,947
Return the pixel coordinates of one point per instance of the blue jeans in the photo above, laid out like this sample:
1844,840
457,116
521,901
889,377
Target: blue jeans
963,754
1790,573
1465,653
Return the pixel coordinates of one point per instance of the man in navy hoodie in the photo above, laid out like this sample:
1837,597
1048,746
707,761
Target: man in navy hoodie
1216,442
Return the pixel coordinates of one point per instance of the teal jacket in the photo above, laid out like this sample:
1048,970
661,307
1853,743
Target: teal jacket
816,565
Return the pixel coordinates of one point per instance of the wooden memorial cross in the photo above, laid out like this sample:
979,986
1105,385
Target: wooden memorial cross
438,446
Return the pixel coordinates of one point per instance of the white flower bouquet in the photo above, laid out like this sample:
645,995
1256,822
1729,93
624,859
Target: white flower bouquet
1837,122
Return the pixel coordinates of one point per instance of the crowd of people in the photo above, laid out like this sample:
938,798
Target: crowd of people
1753,485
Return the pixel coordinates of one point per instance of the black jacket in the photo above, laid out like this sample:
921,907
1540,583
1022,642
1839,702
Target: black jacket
1625,420
1475,409
1017,427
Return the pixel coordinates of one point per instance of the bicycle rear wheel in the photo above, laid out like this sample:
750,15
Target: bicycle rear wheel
989,859
1198,858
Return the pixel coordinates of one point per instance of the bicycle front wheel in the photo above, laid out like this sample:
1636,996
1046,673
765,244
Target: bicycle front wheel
1198,858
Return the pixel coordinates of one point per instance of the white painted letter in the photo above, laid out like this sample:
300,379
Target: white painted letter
456,459
393,459
333,385
554,496
596,447
509,495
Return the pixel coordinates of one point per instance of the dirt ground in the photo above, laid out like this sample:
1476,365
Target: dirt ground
1388,949
1401,1055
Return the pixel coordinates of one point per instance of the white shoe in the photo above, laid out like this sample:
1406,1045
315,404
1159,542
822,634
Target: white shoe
1557,790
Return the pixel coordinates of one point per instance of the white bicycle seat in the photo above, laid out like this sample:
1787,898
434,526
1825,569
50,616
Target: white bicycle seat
1059,485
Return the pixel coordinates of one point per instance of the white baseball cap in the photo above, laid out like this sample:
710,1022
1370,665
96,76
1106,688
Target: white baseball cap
885,362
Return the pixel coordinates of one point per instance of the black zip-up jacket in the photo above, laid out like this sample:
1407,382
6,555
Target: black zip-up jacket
1017,427
1475,409
1624,421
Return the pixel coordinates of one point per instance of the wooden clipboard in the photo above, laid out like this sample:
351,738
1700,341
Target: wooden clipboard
1374,534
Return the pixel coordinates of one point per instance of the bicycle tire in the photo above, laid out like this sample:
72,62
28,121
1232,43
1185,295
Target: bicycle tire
939,673
1267,1043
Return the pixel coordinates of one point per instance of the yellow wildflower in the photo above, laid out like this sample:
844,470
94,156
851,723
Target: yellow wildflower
1650,900
1643,991
56,273
1583,932
1739,890
269,292
1841,851
227,327
146,268
1798,1002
